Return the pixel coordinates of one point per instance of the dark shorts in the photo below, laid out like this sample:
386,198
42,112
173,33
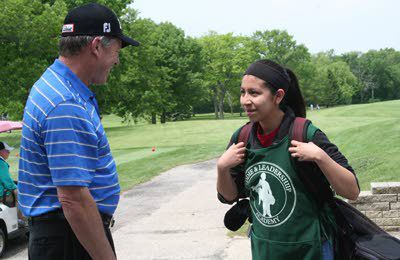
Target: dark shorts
51,237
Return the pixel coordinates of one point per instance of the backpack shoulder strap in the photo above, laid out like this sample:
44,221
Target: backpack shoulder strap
302,130
245,133
298,130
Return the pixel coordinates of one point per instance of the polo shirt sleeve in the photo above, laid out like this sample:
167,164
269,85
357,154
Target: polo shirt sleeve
5,178
71,144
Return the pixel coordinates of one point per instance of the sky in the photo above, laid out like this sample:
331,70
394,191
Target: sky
342,25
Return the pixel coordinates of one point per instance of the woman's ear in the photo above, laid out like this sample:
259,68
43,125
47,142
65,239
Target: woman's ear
279,95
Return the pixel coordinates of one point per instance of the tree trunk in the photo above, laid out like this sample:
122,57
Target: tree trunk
372,93
163,118
221,109
362,95
216,109
215,100
153,119
221,100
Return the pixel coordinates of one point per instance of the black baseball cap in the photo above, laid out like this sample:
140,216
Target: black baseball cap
94,19
5,146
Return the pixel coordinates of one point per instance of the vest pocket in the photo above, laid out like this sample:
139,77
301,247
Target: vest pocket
276,250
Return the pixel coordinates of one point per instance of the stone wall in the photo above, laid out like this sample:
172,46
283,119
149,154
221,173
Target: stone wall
381,204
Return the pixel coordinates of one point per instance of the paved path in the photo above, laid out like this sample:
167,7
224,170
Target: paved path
176,215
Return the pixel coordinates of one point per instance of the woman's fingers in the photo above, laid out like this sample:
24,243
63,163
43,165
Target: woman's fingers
299,157
240,145
295,143
241,155
241,150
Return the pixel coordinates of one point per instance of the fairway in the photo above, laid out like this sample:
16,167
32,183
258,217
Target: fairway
368,134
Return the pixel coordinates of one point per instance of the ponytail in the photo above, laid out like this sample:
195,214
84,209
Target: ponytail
293,98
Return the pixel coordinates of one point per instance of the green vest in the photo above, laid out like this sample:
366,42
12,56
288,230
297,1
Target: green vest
286,220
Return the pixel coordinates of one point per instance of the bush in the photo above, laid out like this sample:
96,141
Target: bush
373,100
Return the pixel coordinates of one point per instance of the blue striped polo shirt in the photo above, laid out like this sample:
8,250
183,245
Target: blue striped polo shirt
64,144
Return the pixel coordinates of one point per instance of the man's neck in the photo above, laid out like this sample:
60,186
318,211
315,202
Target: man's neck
77,65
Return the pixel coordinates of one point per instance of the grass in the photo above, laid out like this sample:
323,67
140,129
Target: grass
368,134
176,143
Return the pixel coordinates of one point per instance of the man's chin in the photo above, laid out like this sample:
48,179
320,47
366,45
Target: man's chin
99,82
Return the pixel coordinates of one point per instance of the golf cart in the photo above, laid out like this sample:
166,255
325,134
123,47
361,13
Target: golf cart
10,226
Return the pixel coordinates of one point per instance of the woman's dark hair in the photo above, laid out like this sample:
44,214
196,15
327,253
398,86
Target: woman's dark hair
293,97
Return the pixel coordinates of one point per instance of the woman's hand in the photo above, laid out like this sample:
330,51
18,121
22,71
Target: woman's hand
341,179
306,151
235,155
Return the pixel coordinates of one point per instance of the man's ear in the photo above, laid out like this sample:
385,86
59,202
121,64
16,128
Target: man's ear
279,95
94,46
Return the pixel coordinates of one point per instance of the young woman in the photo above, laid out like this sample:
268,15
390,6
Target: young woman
288,223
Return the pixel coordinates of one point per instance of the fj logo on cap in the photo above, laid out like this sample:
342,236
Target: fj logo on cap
68,28
106,27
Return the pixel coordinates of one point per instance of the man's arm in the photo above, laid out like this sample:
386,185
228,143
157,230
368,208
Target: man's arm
82,214
5,178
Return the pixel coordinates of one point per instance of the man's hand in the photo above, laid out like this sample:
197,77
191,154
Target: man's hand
83,216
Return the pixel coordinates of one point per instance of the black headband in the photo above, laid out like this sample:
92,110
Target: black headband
273,77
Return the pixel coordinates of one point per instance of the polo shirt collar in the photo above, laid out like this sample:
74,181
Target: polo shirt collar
74,81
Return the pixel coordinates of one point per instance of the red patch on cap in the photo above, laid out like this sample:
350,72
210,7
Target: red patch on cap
68,28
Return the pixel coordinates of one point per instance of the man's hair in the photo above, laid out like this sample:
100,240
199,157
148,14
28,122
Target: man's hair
72,45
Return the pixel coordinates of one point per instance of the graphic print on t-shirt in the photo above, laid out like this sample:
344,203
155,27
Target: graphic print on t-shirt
272,194
265,197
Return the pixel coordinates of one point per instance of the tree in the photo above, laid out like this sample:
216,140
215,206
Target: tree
281,47
28,44
335,83
226,58
160,77
381,69
116,5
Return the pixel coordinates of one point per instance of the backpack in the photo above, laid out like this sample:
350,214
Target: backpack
357,236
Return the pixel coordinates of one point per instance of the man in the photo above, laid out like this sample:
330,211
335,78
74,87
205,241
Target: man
7,185
67,176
